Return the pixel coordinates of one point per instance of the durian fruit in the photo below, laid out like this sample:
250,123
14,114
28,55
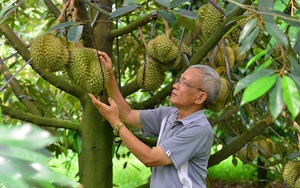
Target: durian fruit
150,75
180,60
238,58
85,70
209,19
242,153
162,49
289,173
49,52
220,102
267,147
219,59
252,151
297,183
248,152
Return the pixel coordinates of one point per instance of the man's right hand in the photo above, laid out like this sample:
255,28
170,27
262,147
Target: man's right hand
105,60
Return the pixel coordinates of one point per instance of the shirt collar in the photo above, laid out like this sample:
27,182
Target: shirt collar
191,118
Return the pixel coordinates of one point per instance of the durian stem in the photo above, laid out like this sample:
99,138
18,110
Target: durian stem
168,32
60,19
142,37
74,14
71,8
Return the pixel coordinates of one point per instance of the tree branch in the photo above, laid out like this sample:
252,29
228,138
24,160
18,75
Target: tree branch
39,120
237,144
131,27
52,8
18,91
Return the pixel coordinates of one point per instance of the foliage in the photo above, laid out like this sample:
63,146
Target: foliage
24,161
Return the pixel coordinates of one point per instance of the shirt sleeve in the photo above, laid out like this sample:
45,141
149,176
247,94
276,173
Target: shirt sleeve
151,120
193,141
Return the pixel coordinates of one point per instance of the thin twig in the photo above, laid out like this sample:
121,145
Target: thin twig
10,79
142,37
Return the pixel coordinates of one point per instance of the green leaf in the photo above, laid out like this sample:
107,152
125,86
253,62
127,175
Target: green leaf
168,16
77,143
6,12
188,23
248,29
164,3
123,10
266,5
265,64
25,136
297,44
62,26
231,7
294,21
258,88
0,112
256,57
175,3
276,102
291,96
188,14
27,155
277,34
74,33
246,81
10,177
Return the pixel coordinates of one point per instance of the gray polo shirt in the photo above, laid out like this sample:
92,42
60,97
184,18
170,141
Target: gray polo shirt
187,142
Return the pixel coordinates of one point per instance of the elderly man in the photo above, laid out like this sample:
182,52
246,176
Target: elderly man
184,134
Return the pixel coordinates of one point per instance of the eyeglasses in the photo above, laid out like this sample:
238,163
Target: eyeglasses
181,81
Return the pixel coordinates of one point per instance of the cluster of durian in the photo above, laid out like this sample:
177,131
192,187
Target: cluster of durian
209,19
290,174
165,51
164,54
218,56
248,15
52,53
220,102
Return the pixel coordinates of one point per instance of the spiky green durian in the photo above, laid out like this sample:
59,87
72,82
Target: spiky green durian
289,173
242,153
162,49
49,52
180,61
267,147
209,19
220,102
252,151
219,59
150,75
297,183
86,71
236,50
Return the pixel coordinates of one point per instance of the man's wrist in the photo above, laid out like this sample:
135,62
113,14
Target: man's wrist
117,127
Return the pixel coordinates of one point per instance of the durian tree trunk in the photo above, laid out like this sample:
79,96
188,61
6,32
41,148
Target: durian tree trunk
95,159
262,174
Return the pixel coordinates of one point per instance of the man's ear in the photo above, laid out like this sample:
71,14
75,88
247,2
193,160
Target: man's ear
201,98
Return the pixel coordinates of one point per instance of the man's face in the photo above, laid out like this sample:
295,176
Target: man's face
186,91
